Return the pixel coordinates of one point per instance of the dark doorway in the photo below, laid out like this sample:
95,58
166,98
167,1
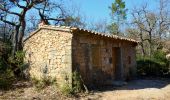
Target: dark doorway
116,56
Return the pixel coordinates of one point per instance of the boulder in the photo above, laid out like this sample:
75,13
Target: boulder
168,56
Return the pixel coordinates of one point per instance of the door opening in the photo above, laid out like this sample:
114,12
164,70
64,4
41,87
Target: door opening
116,56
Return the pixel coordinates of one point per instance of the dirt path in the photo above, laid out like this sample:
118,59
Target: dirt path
135,90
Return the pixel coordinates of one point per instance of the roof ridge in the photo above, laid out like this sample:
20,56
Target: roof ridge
111,36
71,28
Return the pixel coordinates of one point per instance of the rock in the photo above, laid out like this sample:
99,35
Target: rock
1,93
168,56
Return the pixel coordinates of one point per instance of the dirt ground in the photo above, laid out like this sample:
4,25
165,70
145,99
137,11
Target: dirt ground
143,89
25,91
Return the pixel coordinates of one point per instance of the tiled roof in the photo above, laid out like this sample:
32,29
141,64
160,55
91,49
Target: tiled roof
70,29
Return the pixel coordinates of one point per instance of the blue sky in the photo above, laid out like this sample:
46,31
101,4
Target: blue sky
96,10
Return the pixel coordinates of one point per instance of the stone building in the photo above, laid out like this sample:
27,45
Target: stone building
57,51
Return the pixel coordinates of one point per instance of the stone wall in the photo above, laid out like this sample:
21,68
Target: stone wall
92,56
49,54
57,53
129,61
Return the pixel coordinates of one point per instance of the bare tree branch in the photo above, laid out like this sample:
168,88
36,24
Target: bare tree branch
9,22
7,11
17,4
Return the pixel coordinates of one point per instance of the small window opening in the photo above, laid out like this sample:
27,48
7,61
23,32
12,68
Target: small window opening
110,60
107,50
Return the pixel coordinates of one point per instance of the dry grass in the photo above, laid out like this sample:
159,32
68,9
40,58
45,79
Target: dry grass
25,91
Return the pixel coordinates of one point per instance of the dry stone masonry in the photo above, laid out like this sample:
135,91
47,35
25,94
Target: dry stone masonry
49,54
58,51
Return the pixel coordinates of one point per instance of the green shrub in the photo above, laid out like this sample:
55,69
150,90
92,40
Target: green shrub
160,56
17,63
67,90
44,82
18,59
5,84
1,64
6,72
77,85
6,79
157,65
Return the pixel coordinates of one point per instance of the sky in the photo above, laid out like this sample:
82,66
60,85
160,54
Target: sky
96,10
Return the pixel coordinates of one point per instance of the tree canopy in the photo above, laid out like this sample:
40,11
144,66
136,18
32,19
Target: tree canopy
118,15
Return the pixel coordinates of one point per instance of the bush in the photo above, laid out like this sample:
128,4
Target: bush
6,79
77,85
2,66
157,65
18,59
67,90
44,82
17,63
6,75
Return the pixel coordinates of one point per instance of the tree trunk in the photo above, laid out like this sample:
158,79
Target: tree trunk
15,40
143,50
142,44
21,35
18,37
150,44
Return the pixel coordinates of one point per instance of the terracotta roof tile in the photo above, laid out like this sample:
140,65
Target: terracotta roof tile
70,29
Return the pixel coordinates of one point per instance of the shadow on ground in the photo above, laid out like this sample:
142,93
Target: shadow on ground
137,84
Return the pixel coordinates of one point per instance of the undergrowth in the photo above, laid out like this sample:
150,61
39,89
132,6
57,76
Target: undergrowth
42,83
156,66
6,79
76,87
